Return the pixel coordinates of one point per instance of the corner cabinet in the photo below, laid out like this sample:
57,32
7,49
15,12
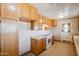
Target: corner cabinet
9,11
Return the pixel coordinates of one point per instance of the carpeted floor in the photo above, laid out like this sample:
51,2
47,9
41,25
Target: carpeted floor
58,49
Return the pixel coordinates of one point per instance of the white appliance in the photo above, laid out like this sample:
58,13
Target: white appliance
24,37
48,42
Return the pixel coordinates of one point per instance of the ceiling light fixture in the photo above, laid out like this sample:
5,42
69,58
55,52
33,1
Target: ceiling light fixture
61,15
11,7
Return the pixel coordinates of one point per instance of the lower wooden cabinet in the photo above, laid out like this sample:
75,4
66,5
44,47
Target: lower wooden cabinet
38,46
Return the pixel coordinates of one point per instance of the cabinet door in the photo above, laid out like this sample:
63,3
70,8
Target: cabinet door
34,46
9,40
0,37
9,10
44,20
78,21
51,22
33,13
43,44
40,46
54,22
25,10
40,20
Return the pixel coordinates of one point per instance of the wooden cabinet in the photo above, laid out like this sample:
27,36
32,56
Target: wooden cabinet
40,20
10,11
54,22
37,46
38,23
0,37
51,22
43,44
25,11
9,38
44,20
32,24
34,14
78,21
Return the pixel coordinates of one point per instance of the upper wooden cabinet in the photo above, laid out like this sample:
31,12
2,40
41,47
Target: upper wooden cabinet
10,10
78,21
25,11
51,22
44,19
34,14
54,22
40,20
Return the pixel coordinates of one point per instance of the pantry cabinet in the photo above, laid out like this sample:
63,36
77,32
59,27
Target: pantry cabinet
25,11
9,38
34,14
0,37
38,45
9,11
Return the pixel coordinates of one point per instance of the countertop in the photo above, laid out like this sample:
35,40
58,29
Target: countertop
76,41
38,37
41,36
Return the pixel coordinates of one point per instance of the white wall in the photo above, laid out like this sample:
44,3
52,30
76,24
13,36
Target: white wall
63,35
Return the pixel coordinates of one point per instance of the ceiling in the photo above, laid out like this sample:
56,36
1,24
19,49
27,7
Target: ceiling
57,10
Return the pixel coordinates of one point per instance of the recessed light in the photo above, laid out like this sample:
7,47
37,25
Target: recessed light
61,15
11,7
41,20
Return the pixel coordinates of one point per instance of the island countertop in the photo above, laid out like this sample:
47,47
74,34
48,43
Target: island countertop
38,37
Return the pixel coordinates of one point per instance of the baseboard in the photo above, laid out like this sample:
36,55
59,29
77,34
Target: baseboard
65,41
57,40
25,53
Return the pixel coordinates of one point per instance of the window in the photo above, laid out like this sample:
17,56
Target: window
66,27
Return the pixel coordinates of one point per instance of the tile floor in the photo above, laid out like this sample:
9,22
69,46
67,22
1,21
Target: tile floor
58,49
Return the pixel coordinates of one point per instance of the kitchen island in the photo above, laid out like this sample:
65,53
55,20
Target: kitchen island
38,45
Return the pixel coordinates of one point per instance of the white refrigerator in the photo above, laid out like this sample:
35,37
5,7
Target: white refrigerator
24,37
